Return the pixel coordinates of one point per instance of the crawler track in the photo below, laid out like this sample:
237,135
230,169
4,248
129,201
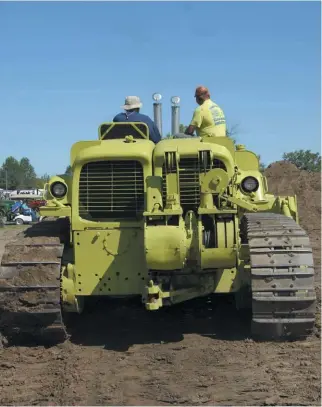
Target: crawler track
30,284
282,277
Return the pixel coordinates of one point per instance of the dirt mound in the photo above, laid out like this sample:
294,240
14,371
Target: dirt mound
301,181
285,178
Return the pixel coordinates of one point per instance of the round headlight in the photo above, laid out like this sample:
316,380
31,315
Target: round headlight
156,97
175,100
58,189
250,184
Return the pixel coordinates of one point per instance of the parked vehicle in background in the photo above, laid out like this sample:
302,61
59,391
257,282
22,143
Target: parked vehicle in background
27,217
26,193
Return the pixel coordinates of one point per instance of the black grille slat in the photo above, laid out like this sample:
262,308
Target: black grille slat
218,164
189,171
111,189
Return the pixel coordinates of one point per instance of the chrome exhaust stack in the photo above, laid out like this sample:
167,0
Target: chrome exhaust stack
157,111
175,115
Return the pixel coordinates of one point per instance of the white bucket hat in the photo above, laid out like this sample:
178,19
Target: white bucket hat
132,102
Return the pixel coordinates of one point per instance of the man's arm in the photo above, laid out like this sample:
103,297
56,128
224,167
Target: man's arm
195,122
157,135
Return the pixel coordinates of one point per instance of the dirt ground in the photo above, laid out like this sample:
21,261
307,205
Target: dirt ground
198,353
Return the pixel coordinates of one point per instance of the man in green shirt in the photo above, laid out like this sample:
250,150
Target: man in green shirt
208,118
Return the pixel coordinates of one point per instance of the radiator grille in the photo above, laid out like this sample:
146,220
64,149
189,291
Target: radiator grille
189,182
111,189
189,170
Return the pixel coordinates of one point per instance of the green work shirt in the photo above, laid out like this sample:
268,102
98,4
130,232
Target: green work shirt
209,120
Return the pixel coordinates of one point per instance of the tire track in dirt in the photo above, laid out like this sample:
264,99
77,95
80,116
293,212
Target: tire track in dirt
189,368
24,370
168,374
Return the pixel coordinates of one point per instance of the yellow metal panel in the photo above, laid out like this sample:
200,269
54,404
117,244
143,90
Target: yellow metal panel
190,148
222,141
225,281
55,211
218,258
79,146
221,234
110,262
118,149
165,247
154,195
247,160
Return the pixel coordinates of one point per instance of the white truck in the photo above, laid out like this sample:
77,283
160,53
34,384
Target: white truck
26,194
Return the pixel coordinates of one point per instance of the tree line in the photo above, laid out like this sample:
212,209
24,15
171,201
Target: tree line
20,174
15,174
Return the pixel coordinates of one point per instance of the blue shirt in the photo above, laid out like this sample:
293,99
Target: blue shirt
155,135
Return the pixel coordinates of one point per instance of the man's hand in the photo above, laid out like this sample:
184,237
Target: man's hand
190,130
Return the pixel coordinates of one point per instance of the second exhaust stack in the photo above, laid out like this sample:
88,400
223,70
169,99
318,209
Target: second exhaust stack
175,115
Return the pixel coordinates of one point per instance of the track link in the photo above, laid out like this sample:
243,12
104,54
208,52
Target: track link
30,289
282,277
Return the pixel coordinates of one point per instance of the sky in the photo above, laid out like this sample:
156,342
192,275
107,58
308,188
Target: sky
66,67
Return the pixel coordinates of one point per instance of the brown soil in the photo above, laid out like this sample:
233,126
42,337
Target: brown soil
198,353
286,179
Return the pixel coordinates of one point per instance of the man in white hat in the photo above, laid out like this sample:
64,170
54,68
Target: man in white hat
132,114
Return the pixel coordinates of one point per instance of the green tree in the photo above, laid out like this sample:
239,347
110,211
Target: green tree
9,173
231,133
16,174
182,129
262,166
27,175
40,182
304,160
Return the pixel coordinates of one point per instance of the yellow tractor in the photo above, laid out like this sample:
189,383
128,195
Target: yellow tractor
168,222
